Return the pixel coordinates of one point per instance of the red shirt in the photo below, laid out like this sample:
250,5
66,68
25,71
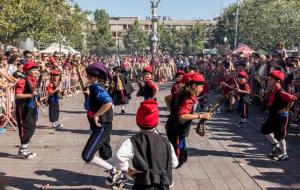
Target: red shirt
244,87
151,84
20,86
50,88
175,88
230,82
284,96
187,105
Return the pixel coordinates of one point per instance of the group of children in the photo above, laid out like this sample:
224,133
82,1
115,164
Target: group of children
150,171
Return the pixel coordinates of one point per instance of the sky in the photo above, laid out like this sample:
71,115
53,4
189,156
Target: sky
176,9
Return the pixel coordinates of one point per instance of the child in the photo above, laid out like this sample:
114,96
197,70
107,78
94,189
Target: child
100,116
151,171
181,116
53,89
243,91
26,107
276,126
149,89
176,86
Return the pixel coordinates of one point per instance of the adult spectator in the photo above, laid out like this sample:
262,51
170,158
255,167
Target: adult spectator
12,63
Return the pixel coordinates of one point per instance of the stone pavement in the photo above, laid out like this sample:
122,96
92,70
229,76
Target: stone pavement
226,158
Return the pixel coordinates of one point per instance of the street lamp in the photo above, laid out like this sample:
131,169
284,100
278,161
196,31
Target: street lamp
236,23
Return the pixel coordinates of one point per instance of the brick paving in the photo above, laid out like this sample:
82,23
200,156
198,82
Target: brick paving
226,158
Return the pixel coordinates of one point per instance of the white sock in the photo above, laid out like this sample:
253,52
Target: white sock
271,138
122,107
243,120
24,146
102,163
282,145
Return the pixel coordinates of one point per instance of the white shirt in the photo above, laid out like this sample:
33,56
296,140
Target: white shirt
126,153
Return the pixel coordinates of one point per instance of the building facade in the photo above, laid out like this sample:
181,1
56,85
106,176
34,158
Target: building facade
120,25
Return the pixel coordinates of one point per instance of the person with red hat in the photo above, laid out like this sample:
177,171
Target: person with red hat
275,128
243,91
175,88
149,90
53,90
181,114
26,108
150,170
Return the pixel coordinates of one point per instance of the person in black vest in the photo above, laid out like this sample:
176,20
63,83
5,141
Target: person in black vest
26,107
276,126
53,89
120,89
152,155
149,89
243,91
182,107
100,116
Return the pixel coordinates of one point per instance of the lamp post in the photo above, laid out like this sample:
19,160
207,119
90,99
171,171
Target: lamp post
236,23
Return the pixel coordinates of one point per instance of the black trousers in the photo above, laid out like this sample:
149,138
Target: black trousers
98,141
53,111
26,119
150,187
179,144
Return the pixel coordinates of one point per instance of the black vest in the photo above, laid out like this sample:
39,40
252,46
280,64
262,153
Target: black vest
28,102
278,104
95,105
147,91
152,155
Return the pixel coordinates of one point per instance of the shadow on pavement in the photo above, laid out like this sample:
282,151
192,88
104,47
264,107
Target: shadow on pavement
61,178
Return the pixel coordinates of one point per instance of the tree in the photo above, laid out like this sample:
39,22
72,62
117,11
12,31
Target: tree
44,21
167,39
100,38
135,38
262,23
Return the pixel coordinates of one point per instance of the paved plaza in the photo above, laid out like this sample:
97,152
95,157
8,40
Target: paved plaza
226,158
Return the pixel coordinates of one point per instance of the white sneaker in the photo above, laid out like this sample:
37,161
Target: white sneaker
25,154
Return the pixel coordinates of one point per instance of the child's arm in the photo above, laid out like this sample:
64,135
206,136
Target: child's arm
124,154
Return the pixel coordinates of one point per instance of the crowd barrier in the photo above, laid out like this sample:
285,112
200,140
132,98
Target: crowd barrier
69,85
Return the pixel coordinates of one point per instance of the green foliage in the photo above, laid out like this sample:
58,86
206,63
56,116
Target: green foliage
100,37
135,38
44,21
262,23
184,39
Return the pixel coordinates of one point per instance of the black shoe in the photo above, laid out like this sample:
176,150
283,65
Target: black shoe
123,112
275,151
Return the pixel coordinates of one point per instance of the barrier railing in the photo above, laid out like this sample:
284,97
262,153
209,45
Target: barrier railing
69,84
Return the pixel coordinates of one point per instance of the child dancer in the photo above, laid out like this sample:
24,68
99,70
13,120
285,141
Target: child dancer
53,89
181,116
26,107
276,126
243,91
149,89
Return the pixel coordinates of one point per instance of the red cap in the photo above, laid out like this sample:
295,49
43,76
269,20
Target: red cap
186,78
147,70
52,61
277,75
147,115
197,78
180,72
55,73
243,74
30,65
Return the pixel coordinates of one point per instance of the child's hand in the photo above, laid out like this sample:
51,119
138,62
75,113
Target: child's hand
131,173
97,121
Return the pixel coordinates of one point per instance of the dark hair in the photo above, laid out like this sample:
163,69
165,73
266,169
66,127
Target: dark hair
25,53
12,58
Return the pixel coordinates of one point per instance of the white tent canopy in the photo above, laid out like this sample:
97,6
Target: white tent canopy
56,47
